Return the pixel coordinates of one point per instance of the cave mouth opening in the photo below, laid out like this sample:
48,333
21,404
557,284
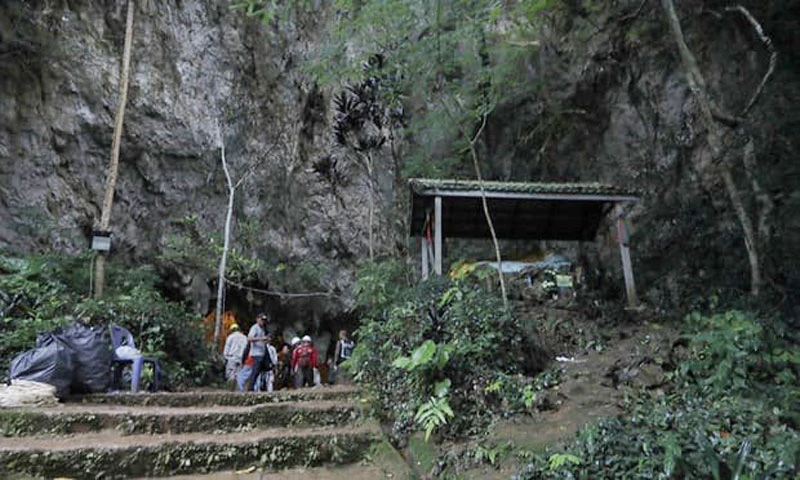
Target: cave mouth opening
321,317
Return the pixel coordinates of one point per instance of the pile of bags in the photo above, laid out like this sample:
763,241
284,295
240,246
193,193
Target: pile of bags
75,360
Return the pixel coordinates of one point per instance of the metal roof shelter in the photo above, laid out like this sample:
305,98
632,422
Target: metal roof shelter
536,211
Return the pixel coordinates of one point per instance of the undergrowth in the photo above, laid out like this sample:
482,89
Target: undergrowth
436,356
730,411
40,293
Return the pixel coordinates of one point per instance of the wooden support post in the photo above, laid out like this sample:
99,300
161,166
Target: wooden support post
423,249
437,235
623,238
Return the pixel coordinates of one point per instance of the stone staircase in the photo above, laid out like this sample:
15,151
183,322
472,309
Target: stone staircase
144,435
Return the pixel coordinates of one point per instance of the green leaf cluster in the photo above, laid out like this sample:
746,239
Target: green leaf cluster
433,414
445,64
198,250
427,349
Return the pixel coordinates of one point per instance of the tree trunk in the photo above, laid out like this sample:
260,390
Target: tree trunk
223,261
485,204
113,168
712,116
371,220
751,242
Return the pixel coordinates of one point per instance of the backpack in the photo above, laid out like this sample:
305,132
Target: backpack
246,353
266,362
304,357
346,349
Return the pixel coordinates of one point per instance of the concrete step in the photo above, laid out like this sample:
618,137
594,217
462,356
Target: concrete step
219,397
110,454
128,420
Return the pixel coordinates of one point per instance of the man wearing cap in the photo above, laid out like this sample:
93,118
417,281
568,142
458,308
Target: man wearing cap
257,336
234,349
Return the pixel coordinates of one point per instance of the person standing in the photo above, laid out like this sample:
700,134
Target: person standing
258,347
304,361
233,352
342,352
294,344
244,374
284,373
268,367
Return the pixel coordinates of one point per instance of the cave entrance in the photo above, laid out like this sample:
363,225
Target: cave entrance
443,209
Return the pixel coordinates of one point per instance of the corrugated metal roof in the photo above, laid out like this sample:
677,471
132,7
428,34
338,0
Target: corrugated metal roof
426,186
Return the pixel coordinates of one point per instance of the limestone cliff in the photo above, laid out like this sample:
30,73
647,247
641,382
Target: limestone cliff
610,104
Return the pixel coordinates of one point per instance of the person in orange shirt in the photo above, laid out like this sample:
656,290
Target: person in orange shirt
243,377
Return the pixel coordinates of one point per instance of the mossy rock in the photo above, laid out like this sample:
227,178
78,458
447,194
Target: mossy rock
139,420
186,456
222,398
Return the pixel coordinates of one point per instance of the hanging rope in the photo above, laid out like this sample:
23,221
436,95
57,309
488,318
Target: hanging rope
282,294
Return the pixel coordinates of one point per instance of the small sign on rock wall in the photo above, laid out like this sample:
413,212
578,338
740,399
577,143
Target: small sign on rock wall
101,241
564,281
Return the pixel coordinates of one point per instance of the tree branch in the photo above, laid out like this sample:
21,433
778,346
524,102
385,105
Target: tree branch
767,205
484,202
634,14
694,77
773,55
714,138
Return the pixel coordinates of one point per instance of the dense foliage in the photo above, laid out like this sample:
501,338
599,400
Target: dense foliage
431,355
39,293
731,412
440,67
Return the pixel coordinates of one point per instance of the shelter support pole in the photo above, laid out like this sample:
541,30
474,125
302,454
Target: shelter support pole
423,248
623,238
437,232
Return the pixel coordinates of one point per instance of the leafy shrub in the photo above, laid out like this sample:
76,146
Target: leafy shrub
419,338
162,329
39,293
31,302
728,415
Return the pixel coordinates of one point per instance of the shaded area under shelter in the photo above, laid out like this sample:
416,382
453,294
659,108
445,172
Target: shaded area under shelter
532,211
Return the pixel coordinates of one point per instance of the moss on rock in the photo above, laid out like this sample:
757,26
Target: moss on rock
171,458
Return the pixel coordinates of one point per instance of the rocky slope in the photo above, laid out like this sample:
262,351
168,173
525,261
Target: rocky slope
610,103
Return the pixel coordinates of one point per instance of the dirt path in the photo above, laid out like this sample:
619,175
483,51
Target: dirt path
592,386
348,472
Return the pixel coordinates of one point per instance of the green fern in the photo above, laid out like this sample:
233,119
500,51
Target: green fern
433,414
559,460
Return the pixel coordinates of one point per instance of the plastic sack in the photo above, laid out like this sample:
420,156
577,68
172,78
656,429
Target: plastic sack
50,362
92,357
125,352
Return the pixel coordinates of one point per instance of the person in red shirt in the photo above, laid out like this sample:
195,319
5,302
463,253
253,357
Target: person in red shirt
304,361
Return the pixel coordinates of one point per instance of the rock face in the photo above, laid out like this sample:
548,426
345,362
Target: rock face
612,105
201,75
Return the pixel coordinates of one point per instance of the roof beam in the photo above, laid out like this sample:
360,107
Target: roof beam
530,196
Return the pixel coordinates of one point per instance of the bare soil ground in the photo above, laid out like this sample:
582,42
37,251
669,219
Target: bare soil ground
349,472
593,385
